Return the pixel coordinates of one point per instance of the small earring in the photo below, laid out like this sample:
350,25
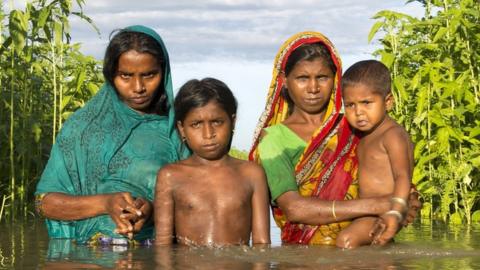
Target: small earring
184,139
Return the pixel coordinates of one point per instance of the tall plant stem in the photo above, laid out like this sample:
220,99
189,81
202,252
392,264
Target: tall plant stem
11,139
55,98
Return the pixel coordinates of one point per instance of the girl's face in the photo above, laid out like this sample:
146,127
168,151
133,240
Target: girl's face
310,85
137,78
207,131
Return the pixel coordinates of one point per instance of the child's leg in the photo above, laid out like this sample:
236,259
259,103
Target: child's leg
357,234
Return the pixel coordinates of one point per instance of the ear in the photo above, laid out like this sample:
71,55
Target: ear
389,101
283,77
180,129
234,120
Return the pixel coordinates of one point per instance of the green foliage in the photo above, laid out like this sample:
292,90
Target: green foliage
43,79
435,65
240,154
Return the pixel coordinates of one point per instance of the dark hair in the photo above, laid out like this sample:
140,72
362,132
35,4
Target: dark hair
371,73
126,40
306,52
197,93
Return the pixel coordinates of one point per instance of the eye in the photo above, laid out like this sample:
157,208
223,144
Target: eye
125,75
349,105
195,124
218,122
302,78
323,78
367,102
150,75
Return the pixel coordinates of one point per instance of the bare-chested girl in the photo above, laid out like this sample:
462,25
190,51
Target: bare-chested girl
385,152
210,198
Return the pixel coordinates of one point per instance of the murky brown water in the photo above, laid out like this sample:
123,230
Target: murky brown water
25,245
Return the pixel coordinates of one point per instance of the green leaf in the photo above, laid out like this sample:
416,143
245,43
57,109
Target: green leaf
440,33
476,216
37,132
58,33
42,18
18,29
374,30
455,218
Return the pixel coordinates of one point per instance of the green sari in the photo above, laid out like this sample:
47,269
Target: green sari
107,147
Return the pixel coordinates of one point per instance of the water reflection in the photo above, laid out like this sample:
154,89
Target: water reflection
427,246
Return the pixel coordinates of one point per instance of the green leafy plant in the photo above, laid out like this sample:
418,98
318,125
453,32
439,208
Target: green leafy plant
43,79
435,70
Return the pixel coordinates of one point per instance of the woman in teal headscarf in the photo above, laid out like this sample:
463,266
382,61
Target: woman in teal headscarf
98,184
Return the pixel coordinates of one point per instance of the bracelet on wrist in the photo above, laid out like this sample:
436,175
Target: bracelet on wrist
395,213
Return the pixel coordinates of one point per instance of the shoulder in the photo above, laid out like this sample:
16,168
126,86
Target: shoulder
396,134
250,170
273,134
79,120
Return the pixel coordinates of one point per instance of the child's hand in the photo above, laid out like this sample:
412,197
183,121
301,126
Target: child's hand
385,228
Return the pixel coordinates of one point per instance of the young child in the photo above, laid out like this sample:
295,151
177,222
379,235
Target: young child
385,152
210,198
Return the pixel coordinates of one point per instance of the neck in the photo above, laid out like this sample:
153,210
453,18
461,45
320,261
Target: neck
307,118
218,162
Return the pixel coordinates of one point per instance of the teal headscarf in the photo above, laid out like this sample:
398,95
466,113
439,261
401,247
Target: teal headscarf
108,147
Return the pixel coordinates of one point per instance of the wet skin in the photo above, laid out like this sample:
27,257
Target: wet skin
211,198
385,156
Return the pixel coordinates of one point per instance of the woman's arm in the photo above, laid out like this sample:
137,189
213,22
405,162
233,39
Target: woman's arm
61,206
314,211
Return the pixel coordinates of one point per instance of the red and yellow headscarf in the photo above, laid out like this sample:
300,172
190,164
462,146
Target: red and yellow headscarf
327,168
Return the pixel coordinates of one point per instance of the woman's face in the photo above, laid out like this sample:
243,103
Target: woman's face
310,85
137,78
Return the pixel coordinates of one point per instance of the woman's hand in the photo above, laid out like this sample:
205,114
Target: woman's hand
414,205
146,209
122,209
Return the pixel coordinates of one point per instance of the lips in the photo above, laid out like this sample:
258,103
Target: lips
210,146
313,100
362,123
140,100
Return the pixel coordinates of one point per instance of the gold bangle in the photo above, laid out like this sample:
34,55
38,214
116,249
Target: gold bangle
333,210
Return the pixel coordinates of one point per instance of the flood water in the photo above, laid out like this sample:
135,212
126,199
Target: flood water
25,245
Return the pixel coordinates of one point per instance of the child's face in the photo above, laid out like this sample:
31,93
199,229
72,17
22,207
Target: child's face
364,108
207,131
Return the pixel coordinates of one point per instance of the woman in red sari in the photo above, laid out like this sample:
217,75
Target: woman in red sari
307,148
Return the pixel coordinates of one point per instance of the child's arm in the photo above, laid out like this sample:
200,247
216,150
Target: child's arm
400,153
260,207
164,208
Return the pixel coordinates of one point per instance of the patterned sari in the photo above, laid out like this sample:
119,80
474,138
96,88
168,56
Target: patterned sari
327,165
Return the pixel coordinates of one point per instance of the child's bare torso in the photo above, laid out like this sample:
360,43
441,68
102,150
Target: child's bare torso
375,171
213,204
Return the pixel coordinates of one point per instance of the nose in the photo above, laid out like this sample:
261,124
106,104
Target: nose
139,86
358,110
208,132
313,87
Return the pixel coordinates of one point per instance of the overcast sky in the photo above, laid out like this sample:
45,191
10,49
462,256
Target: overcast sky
235,40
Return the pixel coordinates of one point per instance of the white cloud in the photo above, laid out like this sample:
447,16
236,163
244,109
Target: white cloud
236,40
